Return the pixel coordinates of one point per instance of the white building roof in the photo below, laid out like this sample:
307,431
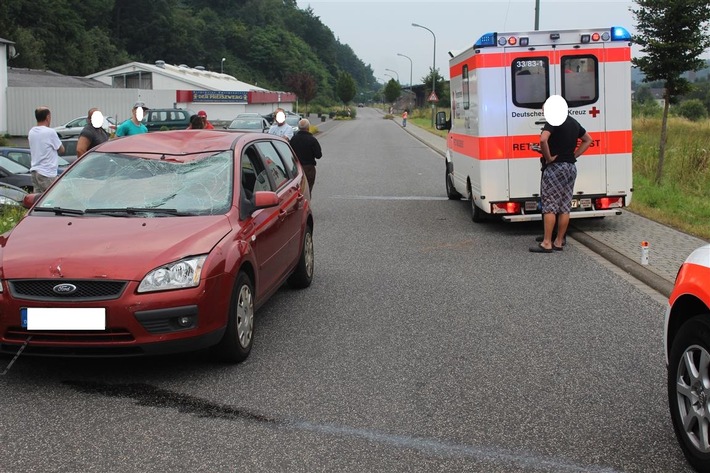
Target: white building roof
197,78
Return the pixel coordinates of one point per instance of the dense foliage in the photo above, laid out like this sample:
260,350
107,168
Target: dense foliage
265,42
667,57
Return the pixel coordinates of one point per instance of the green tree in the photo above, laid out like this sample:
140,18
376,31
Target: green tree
392,91
345,87
673,34
439,83
693,110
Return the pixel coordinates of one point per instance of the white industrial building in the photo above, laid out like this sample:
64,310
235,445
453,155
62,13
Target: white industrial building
115,90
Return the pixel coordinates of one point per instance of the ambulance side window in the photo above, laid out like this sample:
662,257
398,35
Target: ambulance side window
531,81
466,88
580,80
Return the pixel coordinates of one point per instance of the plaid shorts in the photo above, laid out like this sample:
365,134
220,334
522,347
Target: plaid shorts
557,188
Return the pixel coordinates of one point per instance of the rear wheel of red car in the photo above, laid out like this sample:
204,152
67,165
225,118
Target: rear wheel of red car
689,390
303,274
239,336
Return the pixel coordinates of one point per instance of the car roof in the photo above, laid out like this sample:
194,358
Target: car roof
14,148
176,142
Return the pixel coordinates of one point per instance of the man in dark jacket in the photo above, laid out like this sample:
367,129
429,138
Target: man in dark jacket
307,150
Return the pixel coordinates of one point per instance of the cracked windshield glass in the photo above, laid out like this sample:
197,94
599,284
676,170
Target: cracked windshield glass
116,182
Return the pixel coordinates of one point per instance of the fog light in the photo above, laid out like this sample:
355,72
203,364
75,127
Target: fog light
184,321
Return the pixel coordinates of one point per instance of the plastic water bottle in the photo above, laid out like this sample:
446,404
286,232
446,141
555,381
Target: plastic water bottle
644,252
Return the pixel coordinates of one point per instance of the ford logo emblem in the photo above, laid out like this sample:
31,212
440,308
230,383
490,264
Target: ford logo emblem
64,289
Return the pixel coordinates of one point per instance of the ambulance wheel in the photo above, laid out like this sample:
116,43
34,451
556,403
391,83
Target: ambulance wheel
689,390
451,192
477,215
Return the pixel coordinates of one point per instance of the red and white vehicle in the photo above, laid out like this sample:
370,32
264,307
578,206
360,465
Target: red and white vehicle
687,344
498,88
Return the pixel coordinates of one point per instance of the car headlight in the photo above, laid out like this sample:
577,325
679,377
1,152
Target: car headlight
178,275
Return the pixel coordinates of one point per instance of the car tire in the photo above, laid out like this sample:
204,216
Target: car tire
451,192
477,215
303,274
689,390
238,339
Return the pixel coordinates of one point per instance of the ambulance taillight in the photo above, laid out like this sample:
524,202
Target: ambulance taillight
506,208
604,203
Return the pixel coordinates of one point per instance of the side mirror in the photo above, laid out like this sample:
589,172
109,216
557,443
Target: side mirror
441,122
265,199
29,200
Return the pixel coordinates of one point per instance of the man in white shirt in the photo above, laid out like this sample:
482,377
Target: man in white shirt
45,147
280,127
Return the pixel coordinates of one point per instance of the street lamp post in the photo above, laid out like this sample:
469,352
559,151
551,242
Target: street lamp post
410,68
433,68
221,68
395,73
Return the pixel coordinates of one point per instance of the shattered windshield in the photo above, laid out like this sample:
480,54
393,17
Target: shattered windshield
102,183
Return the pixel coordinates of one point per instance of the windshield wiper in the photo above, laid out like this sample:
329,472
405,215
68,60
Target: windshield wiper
59,210
137,210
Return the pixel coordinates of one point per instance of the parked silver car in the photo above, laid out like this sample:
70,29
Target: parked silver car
73,128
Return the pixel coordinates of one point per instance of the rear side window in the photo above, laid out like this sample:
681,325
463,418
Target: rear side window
580,80
274,165
466,88
288,157
531,81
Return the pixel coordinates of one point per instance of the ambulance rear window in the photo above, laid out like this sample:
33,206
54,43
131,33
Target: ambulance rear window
580,80
531,81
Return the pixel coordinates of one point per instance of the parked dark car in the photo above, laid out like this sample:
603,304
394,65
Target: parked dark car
69,149
11,196
23,156
157,119
15,174
160,242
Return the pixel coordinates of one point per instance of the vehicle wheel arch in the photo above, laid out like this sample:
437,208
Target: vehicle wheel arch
684,309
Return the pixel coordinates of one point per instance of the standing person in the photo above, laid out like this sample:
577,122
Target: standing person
205,124
558,143
45,147
134,125
405,115
307,150
280,127
196,123
93,133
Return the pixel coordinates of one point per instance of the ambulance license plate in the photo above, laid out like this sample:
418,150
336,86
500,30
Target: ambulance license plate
44,318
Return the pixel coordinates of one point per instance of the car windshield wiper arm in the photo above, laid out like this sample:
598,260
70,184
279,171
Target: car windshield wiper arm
59,210
136,210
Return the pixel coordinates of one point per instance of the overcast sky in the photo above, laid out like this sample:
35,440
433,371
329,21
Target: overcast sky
377,31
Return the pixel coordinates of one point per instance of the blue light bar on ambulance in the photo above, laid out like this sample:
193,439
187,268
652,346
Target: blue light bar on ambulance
488,39
619,33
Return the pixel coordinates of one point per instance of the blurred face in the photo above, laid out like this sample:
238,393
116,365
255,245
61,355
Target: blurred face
138,113
280,117
97,119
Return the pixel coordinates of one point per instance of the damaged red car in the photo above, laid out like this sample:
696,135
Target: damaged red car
157,243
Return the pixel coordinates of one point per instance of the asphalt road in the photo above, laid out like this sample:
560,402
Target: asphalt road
426,343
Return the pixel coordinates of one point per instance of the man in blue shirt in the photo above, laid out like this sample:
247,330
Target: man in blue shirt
134,125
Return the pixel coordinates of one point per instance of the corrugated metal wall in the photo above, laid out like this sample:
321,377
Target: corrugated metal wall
69,103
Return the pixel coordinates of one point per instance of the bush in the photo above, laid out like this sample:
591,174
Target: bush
693,109
9,216
650,109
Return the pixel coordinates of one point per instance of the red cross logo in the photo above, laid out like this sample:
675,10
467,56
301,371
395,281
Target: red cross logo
594,112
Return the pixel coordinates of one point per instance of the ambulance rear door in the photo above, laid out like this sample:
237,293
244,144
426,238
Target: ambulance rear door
573,72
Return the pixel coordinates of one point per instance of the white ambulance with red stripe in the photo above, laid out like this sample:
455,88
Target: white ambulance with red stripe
498,88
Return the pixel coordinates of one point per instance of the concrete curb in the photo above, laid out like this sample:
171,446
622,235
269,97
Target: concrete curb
646,276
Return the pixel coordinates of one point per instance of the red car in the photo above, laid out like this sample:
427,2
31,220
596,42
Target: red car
687,343
157,243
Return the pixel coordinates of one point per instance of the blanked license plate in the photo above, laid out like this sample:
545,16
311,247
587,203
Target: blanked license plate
54,318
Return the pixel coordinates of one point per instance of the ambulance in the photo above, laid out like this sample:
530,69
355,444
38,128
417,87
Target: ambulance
498,88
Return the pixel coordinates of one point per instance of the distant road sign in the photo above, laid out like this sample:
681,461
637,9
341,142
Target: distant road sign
433,97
